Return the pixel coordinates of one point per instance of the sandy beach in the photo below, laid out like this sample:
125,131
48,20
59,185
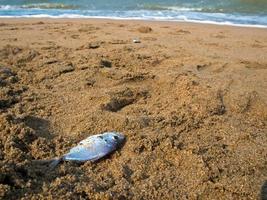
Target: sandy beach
190,98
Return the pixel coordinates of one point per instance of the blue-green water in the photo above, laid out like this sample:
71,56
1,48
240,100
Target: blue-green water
242,12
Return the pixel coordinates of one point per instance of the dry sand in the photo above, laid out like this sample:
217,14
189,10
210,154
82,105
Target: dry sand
190,98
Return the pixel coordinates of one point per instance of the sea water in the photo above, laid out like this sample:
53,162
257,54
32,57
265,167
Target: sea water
231,12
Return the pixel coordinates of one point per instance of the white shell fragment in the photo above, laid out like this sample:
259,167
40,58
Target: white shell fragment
92,148
136,40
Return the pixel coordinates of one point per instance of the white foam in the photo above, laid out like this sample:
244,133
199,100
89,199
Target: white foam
225,23
7,7
40,6
175,8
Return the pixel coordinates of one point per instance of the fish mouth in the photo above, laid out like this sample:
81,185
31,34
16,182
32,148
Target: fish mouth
121,139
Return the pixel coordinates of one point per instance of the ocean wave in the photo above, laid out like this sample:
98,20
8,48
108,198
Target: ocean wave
156,7
143,12
181,18
234,6
206,9
51,6
172,8
40,6
8,7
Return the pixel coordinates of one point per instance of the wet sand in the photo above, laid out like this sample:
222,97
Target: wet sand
191,99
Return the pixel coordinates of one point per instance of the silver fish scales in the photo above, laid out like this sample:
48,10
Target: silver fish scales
92,148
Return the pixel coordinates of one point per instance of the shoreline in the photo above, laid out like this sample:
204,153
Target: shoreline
135,19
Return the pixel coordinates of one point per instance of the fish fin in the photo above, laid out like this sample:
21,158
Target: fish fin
55,162
99,156
52,162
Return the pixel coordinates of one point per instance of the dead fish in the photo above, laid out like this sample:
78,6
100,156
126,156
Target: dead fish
92,148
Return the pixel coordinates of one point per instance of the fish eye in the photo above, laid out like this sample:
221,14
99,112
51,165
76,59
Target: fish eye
115,137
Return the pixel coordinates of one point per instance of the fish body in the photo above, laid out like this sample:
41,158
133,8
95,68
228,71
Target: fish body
92,148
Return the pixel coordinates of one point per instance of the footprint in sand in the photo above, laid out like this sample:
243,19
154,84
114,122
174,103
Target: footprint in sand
119,100
213,67
144,29
202,67
254,65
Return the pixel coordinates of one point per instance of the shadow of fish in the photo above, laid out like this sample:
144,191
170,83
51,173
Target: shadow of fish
264,191
92,148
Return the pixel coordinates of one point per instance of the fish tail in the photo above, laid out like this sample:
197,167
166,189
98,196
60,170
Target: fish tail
42,162
55,162
52,162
